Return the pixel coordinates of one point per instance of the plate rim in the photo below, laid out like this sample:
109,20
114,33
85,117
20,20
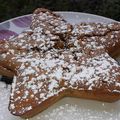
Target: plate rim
62,12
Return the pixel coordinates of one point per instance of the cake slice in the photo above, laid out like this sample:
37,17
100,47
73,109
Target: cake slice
42,80
6,72
51,22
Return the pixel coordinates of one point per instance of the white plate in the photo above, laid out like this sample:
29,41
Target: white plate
67,108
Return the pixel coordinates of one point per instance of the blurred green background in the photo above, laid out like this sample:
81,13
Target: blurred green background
13,8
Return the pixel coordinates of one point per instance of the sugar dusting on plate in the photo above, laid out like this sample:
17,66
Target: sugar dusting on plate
74,112
4,101
66,109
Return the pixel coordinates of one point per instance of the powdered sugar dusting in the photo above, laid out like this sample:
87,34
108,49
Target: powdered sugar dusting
68,108
48,61
80,110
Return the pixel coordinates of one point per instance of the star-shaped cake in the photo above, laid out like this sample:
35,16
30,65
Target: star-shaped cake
55,59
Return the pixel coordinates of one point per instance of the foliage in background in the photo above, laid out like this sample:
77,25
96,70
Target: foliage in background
13,8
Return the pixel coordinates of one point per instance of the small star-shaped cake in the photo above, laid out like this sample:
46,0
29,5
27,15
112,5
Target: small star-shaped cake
55,59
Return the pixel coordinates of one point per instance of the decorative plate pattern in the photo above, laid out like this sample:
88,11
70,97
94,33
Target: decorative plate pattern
14,26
